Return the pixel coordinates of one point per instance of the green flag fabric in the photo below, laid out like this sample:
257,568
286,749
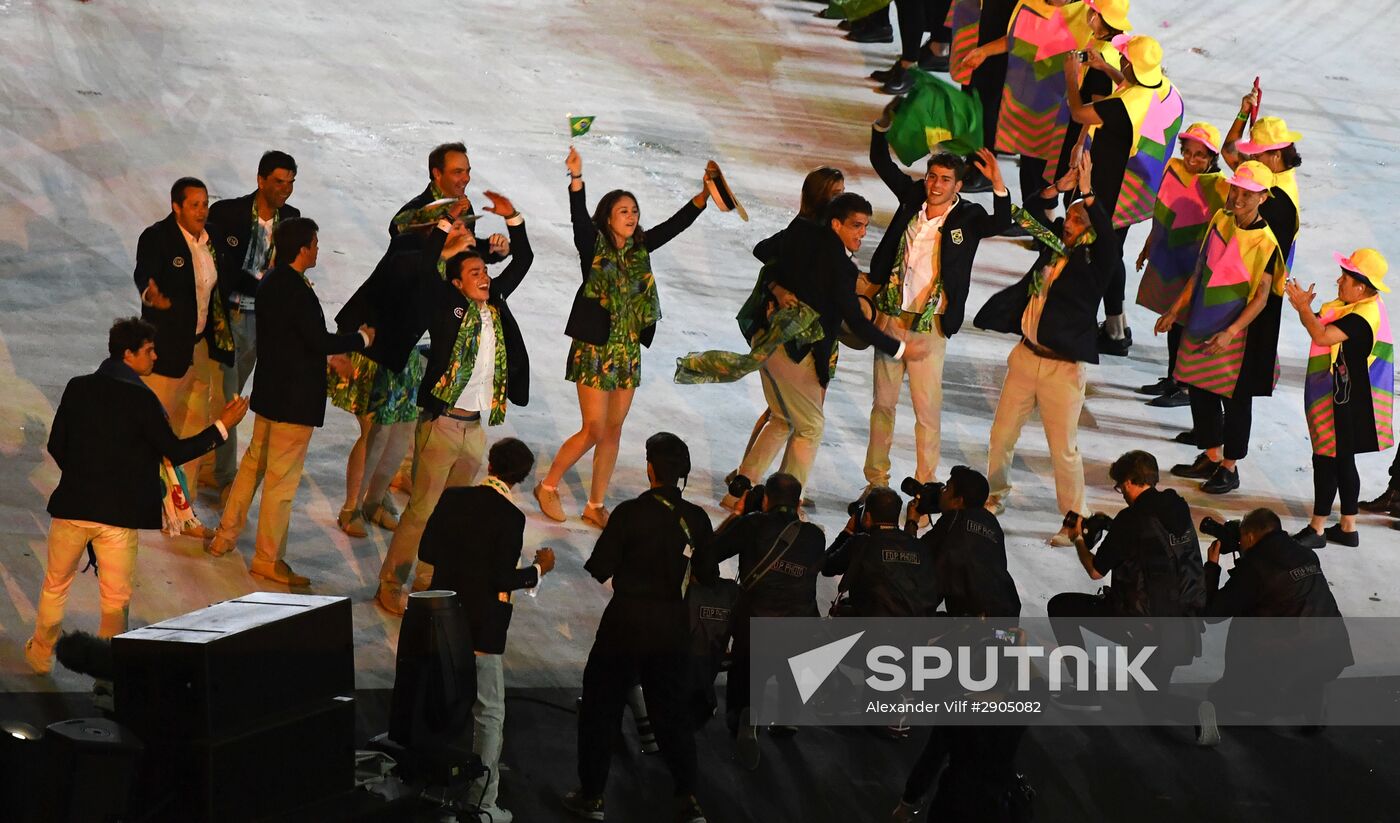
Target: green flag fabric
579,126
855,9
800,323
936,113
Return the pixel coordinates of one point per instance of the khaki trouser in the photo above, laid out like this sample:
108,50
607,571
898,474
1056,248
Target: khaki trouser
796,419
1055,387
446,452
235,378
191,401
115,548
925,394
275,458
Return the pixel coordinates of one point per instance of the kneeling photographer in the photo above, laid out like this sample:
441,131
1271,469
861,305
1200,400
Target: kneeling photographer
1274,667
780,557
968,548
1152,551
886,572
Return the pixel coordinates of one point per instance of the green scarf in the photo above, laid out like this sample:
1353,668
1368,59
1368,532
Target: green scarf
800,323
449,387
418,216
622,282
890,299
220,331
1038,230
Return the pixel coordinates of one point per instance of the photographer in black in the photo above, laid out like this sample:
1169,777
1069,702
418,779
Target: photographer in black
969,552
779,559
968,549
651,548
886,572
1276,667
1152,551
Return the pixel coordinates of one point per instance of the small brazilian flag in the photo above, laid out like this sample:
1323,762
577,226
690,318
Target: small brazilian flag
579,126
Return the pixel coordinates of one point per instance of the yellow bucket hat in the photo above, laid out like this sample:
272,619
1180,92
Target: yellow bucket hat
1113,12
1145,55
1369,264
1269,133
1252,175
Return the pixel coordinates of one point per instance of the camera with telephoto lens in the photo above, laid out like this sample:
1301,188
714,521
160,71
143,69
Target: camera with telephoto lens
1095,526
1227,532
925,495
751,495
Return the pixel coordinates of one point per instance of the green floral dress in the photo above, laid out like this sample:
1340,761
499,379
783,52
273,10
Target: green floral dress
392,397
622,281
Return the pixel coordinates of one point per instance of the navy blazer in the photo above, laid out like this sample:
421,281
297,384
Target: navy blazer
108,438
230,227
163,255
289,384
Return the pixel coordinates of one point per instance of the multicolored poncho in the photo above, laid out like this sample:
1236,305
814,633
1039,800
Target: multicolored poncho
1318,384
1234,264
1034,111
1156,115
964,18
1185,204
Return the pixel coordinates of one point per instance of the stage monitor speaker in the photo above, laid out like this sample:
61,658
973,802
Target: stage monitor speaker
234,666
89,766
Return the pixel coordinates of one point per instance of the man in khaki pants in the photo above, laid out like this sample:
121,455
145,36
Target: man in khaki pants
476,363
1055,310
108,438
289,400
922,270
177,278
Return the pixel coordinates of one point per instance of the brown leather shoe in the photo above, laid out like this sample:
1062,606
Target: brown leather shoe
549,503
278,572
390,598
39,660
221,545
352,523
384,516
596,515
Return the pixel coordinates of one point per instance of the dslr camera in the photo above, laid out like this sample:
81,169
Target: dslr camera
751,495
925,495
1094,527
1227,532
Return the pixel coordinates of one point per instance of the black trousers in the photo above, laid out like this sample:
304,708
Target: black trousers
1117,284
1173,346
1032,176
637,642
981,765
1334,475
917,17
989,79
736,686
1219,420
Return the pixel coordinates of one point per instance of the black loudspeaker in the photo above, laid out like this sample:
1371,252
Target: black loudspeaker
434,674
240,706
88,767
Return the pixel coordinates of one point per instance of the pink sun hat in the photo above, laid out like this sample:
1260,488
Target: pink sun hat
1203,133
1368,264
1252,175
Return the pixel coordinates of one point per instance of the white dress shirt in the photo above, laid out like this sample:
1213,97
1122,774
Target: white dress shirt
476,397
205,275
921,257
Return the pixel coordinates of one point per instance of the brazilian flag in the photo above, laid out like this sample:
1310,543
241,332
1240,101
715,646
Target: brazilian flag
579,126
935,113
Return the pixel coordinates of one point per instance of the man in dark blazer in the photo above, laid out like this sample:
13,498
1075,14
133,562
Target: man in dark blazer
476,363
177,277
241,229
289,401
108,438
922,269
814,264
449,172
1054,308
473,541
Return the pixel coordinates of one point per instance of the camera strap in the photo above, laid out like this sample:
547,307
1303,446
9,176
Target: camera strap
786,538
689,543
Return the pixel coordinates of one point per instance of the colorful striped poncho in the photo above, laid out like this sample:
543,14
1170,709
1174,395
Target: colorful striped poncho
1156,115
1318,385
964,17
1234,264
1185,204
1288,182
1034,110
